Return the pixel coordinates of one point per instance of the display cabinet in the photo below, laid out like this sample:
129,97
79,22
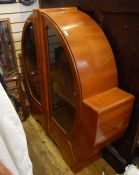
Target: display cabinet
71,78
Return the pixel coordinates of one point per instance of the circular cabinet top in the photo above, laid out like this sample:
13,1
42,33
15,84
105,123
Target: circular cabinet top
89,48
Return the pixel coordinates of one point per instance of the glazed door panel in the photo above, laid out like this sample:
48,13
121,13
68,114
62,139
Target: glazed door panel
63,96
31,62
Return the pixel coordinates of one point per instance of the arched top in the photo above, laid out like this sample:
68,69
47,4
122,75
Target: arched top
90,49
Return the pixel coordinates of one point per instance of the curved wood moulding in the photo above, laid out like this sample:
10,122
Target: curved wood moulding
89,47
32,71
101,110
26,61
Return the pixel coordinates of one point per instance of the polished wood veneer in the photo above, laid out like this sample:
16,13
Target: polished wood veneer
82,109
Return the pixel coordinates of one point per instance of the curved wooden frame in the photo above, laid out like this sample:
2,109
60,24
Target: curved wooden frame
36,106
100,102
74,72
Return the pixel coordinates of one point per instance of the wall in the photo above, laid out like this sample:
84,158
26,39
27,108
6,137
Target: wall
17,13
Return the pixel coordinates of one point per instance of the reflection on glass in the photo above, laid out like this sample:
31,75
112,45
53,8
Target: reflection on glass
62,85
31,61
7,59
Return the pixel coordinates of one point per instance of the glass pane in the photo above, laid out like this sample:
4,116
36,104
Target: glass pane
62,84
31,61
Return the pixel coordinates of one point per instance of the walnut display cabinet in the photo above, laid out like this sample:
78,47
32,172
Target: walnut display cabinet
71,79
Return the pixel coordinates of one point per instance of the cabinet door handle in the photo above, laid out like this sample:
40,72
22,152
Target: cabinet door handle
75,94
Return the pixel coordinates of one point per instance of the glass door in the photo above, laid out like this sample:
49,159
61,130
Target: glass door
63,98
31,61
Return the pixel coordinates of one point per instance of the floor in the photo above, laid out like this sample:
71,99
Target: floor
47,159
